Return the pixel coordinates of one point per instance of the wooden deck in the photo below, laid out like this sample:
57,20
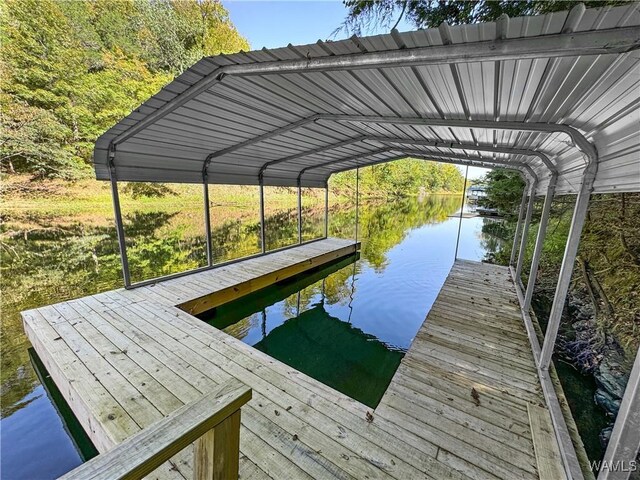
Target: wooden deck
126,358
469,385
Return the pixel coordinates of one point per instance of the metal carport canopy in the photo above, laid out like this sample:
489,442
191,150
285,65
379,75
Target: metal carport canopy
562,87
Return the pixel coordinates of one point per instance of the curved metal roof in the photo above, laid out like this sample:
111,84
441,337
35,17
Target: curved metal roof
549,92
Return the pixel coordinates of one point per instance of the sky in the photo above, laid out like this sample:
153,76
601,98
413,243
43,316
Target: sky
272,24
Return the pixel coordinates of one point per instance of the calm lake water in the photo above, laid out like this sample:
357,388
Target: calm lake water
348,325
355,318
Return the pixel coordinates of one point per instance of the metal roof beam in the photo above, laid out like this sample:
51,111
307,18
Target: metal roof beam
315,151
450,158
389,140
578,139
462,146
479,160
593,42
346,159
429,143
471,162
261,138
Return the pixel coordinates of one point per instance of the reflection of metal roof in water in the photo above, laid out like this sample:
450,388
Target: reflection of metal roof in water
555,91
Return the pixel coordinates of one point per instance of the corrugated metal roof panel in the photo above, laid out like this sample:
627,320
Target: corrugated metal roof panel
240,121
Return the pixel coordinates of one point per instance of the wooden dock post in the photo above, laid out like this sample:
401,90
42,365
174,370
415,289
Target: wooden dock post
216,454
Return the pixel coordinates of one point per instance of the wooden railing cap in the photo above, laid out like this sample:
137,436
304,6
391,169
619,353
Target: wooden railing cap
143,452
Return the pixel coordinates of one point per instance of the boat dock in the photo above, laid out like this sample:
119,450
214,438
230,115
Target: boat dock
468,383
464,404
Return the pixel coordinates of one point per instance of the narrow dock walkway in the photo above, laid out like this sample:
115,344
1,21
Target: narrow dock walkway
126,358
469,384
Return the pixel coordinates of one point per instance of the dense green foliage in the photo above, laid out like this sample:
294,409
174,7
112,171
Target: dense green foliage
70,70
401,178
504,191
431,13
607,270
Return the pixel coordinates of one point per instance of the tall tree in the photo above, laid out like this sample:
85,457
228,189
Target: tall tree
504,191
74,69
366,14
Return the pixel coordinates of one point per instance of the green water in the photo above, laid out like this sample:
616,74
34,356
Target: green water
579,389
61,259
347,325
313,341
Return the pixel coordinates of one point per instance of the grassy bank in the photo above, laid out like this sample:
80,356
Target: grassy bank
28,204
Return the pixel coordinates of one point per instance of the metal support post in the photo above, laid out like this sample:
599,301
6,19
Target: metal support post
569,258
620,458
516,235
525,230
464,191
207,218
326,211
299,213
357,201
118,218
262,227
537,250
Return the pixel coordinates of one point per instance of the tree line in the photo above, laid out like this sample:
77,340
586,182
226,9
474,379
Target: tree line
607,270
72,69
401,178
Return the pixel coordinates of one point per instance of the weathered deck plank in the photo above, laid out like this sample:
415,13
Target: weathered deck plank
125,358
469,379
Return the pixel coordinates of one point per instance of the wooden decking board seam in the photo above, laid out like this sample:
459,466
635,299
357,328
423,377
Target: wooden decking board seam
461,384
334,469
502,392
545,444
478,331
445,331
483,374
405,390
480,305
84,392
493,404
282,407
115,303
478,321
460,341
256,396
484,438
473,455
287,393
525,372
500,451
186,390
454,299
163,471
427,424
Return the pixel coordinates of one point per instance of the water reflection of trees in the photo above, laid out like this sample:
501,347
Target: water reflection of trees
385,225
53,263
495,237
335,353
